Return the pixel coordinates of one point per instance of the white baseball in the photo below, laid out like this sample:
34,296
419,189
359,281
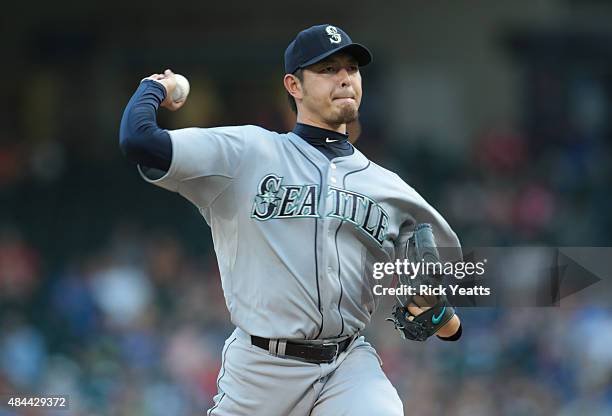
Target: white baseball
182,89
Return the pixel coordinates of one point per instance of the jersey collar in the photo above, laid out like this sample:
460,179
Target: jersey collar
316,135
330,143
314,153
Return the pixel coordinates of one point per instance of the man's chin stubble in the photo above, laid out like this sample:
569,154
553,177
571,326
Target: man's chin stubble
346,115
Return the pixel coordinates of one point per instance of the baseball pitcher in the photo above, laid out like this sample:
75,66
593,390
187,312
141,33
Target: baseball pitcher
298,219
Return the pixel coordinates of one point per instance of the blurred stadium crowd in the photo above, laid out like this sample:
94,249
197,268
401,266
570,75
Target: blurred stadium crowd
109,288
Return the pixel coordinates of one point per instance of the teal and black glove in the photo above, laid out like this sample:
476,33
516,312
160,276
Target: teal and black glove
420,317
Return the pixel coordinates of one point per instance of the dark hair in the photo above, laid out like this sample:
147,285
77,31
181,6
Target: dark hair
299,74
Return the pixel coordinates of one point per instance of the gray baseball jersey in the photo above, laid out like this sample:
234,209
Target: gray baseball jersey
295,234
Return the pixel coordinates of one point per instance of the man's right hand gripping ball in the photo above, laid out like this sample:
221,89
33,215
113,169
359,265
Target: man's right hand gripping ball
168,80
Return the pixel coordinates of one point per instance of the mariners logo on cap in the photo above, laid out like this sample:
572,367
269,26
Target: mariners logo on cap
334,36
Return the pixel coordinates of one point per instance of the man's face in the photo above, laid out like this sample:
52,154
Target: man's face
332,89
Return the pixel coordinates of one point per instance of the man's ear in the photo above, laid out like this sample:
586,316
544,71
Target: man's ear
293,86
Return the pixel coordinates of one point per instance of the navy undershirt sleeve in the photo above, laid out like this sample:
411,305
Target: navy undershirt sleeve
140,138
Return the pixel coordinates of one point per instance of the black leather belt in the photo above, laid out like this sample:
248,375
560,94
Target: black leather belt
312,353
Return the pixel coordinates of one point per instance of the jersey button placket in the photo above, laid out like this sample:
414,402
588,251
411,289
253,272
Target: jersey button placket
327,249
332,255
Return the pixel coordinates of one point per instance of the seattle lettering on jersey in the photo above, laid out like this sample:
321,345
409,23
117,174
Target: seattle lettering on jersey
284,201
361,211
275,200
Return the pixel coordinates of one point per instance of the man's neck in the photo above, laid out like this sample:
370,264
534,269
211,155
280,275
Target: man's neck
339,128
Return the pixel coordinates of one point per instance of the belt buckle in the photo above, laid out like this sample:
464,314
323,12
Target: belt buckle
335,344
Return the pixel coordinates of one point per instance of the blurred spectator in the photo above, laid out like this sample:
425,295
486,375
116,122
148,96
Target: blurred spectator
19,266
22,353
122,293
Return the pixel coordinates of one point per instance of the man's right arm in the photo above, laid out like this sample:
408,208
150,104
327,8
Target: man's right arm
198,163
140,138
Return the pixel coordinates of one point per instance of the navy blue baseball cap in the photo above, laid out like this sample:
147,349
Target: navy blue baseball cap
317,43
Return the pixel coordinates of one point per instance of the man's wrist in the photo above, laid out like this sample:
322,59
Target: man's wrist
455,336
157,88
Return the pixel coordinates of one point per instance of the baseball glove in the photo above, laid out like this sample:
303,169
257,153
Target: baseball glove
419,317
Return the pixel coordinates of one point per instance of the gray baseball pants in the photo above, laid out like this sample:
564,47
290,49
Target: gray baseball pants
253,382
